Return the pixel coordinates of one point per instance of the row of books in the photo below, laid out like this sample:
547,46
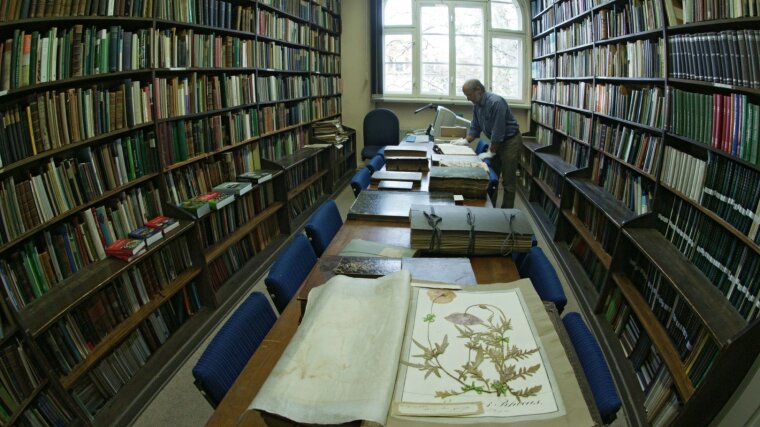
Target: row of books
538,6
594,268
729,264
551,178
576,95
300,9
56,119
331,131
544,136
624,184
687,11
18,376
275,117
47,409
273,56
74,336
211,13
102,382
636,148
543,92
192,94
596,222
573,123
326,17
569,9
631,18
643,105
574,153
277,26
684,173
728,122
548,207
283,144
577,34
726,57
545,45
186,139
12,10
280,88
543,68
729,192
236,256
574,64
30,58
304,170
324,63
326,42
638,59
543,114
306,199
326,107
326,85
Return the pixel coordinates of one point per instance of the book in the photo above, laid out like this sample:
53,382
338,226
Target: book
197,208
147,234
469,182
414,177
367,266
407,163
163,223
126,249
393,205
216,200
256,177
407,150
234,188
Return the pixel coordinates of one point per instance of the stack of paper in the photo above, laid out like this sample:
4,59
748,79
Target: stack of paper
465,230
471,183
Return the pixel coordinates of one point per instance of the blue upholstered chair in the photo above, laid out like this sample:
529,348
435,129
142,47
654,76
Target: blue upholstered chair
493,185
361,180
482,146
540,271
289,271
381,128
376,163
323,225
518,257
594,366
232,347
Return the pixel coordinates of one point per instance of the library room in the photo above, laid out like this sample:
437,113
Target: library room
379,212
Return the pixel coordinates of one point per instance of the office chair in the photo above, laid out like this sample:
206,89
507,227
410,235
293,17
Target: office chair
540,271
381,128
376,163
232,347
594,366
323,225
289,270
361,180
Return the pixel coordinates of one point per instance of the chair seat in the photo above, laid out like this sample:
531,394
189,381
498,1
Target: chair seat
594,366
370,151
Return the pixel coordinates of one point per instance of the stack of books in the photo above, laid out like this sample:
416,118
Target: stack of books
126,249
471,183
330,131
464,230
163,223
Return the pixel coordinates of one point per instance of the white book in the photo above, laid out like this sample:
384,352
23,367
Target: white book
53,60
120,164
92,230
41,197
139,285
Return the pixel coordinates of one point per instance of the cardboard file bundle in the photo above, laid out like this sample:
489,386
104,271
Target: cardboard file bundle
465,230
472,183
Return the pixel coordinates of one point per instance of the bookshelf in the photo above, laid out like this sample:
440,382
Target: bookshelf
112,113
643,173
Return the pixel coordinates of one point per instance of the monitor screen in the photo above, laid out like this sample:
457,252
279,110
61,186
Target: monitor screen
446,117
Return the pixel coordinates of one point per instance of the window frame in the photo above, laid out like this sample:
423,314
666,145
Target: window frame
490,34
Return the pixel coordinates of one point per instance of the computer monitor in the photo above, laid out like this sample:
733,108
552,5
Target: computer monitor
446,117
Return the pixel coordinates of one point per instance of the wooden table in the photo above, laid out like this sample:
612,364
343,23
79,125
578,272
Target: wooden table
232,410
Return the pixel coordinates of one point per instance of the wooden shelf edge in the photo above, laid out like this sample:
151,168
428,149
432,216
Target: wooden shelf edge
218,249
603,200
547,191
126,327
659,336
28,401
42,312
585,233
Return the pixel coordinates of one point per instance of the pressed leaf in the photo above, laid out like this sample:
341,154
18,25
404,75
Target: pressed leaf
464,319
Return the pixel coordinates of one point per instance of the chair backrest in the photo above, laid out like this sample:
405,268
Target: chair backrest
481,147
540,271
361,180
289,271
232,347
594,366
376,163
323,225
381,127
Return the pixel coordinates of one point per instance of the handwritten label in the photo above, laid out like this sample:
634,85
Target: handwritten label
412,409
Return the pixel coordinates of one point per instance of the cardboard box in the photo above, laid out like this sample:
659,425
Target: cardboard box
453,132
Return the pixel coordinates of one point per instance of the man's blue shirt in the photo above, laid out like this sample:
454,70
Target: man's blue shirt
493,117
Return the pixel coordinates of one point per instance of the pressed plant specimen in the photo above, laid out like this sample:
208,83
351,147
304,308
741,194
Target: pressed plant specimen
485,330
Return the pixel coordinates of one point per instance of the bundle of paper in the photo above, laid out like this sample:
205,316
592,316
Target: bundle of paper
463,150
465,230
408,164
471,183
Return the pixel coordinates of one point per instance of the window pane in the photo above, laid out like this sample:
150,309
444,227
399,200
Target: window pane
469,50
398,63
466,72
434,20
468,21
506,82
397,12
505,15
506,52
435,79
435,49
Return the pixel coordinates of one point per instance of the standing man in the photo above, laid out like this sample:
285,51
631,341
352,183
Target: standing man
492,116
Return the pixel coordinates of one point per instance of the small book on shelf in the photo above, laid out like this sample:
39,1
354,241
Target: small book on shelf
126,249
216,200
234,188
163,223
147,234
197,208
256,177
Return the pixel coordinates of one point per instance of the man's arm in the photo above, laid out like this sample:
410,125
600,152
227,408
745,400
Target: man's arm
499,127
474,131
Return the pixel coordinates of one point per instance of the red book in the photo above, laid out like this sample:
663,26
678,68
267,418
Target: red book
163,223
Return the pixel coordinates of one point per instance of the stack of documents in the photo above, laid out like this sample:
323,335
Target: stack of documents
471,183
465,230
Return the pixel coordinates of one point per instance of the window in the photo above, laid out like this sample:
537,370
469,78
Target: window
430,47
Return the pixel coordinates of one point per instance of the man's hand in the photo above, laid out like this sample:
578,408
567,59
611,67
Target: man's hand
492,148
